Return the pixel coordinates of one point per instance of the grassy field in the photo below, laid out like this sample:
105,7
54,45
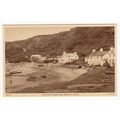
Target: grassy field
95,80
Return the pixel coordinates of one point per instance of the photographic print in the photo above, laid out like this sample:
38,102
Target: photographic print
59,60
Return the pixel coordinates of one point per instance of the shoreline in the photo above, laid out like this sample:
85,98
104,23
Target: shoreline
33,73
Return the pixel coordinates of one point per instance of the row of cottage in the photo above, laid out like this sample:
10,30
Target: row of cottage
100,57
65,58
95,58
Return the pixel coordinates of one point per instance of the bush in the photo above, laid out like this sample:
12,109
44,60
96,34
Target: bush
106,64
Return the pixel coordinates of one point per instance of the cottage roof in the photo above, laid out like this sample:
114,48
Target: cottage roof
98,53
69,54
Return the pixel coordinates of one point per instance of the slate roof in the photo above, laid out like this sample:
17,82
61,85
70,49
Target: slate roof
98,53
70,54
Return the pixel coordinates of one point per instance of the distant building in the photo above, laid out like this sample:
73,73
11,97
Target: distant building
37,58
68,57
100,57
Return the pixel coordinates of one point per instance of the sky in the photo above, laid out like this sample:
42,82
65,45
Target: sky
21,32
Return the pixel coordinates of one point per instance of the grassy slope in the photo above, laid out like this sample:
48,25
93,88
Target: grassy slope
94,81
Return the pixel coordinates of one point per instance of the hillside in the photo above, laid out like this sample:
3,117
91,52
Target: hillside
79,39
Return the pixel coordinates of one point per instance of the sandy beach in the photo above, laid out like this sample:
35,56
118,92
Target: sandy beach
32,76
70,74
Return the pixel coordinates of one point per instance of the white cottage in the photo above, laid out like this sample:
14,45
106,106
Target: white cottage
68,57
37,58
100,57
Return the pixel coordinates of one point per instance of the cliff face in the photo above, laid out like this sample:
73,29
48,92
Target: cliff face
79,39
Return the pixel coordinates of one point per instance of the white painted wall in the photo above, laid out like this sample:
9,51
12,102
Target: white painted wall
98,60
68,57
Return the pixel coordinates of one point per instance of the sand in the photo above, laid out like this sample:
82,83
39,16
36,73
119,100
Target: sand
53,73
70,74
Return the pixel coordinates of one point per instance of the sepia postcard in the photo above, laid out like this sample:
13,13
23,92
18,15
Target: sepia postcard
59,59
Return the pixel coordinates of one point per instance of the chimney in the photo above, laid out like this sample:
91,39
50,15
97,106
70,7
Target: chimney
75,53
101,49
64,53
111,48
93,50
